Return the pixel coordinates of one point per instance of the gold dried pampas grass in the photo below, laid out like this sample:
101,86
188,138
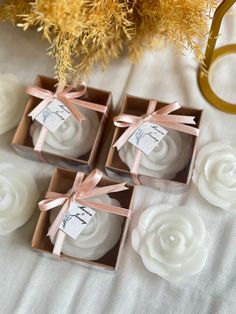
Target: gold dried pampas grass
82,33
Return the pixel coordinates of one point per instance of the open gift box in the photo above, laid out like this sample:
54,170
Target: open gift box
116,168
22,141
62,181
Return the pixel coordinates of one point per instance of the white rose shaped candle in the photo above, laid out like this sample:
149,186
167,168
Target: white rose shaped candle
215,174
99,236
73,138
168,158
18,197
12,98
172,241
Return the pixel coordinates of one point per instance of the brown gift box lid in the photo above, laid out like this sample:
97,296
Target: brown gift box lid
62,180
22,141
116,167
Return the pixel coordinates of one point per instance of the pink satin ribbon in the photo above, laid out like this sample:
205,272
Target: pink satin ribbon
161,117
81,190
68,98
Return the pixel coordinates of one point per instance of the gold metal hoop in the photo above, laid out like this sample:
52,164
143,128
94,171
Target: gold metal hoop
204,84
212,55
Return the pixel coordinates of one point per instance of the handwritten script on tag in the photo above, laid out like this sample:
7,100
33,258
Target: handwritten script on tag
76,219
54,115
147,137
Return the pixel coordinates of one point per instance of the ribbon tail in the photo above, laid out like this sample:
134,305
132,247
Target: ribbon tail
108,208
40,140
91,181
106,189
76,94
151,106
54,227
169,108
135,166
90,105
125,120
39,92
72,108
59,243
77,182
156,118
138,155
126,135
181,127
50,203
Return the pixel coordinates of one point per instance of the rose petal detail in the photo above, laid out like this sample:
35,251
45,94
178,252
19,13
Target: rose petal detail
169,157
215,174
12,101
151,264
100,235
18,197
172,241
73,138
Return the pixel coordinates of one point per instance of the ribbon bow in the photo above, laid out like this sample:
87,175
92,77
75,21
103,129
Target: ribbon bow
67,97
160,117
81,190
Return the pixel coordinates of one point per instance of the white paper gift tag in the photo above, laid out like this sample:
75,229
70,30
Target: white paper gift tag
76,219
147,137
54,115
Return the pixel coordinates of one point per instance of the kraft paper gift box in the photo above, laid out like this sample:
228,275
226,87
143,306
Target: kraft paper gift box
62,180
117,169
22,141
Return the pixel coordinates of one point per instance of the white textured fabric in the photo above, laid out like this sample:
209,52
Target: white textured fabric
31,283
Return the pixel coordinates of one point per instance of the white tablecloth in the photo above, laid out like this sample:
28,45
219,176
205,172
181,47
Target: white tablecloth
30,283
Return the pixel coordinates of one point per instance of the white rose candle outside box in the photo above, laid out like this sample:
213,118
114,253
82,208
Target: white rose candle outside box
215,174
171,240
62,127
19,196
154,143
84,219
12,99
